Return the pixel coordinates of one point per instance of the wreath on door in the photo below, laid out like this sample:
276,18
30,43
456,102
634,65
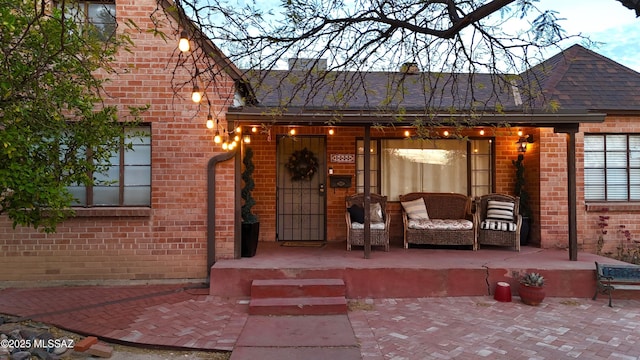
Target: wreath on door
302,165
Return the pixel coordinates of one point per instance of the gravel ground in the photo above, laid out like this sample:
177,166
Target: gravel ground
120,352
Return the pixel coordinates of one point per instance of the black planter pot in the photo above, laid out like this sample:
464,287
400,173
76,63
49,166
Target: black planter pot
249,236
524,231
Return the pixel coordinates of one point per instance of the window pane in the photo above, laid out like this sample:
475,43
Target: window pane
594,192
616,142
616,159
111,176
594,176
103,19
139,155
593,159
139,195
79,194
594,143
137,175
105,195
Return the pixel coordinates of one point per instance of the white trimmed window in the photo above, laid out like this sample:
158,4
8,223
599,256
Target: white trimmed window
612,167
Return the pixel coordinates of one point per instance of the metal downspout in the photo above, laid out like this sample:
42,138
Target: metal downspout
211,207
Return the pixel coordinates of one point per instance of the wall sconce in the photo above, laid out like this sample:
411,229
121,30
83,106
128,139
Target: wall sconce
183,43
523,141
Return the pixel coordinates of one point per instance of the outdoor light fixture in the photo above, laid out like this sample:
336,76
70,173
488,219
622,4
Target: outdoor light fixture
210,121
246,139
482,132
183,44
446,133
196,95
292,132
331,131
523,141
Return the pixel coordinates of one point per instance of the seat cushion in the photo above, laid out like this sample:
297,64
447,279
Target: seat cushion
416,209
374,226
441,224
498,225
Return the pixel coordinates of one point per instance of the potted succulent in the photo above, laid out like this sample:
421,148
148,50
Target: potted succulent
524,207
531,289
250,222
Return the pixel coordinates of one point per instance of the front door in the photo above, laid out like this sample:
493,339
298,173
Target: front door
301,188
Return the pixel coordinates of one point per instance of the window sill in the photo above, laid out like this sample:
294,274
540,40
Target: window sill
113,212
613,207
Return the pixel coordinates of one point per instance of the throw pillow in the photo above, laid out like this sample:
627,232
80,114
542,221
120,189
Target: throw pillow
375,213
357,213
416,209
500,210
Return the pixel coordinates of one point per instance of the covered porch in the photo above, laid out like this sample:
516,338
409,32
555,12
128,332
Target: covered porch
410,273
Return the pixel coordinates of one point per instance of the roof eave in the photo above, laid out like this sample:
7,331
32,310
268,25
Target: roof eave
362,118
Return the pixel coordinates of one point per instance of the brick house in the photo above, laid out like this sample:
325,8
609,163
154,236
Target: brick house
156,228
176,235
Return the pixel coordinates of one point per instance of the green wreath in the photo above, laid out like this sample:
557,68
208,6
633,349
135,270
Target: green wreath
302,165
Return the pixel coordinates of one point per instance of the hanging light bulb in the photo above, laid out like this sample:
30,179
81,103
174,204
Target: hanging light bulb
183,44
246,139
254,129
331,131
225,146
196,95
209,121
217,138
292,132
446,133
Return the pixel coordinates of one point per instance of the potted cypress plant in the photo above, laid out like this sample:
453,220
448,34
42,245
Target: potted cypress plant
531,289
521,192
250,222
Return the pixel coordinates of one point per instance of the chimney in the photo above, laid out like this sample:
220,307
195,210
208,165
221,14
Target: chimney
307,64
409,68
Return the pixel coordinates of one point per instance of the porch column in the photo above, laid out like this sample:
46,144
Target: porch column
367,192
570,130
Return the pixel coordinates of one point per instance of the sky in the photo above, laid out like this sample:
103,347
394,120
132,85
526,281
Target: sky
605,21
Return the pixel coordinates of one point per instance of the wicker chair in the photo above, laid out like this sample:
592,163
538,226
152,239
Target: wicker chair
379,236
497,237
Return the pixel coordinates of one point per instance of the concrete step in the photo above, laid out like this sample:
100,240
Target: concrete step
296,288
298,306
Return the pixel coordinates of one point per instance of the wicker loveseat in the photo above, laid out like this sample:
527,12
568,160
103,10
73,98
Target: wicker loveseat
498,221
379,220
448,219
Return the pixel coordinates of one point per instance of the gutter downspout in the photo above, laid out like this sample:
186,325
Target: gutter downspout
211,207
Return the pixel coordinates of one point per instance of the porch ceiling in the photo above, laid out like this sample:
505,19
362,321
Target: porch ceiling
364,118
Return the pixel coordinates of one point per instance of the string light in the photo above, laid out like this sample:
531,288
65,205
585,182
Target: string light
183,44
196,95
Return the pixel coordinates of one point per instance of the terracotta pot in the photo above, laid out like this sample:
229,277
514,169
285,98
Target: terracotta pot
531,295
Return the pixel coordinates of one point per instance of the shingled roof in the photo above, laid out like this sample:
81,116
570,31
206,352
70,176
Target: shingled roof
580,79
577,81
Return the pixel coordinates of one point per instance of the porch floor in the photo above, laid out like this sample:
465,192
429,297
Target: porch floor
410,273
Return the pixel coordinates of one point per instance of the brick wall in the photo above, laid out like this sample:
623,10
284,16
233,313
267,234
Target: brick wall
167,241
625,214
